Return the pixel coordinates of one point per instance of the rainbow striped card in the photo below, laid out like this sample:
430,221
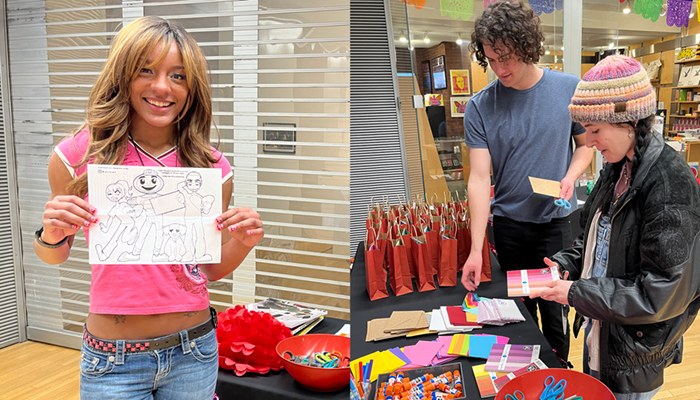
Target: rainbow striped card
530,281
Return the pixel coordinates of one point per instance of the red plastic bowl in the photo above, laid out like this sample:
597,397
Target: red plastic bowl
531,384
314,378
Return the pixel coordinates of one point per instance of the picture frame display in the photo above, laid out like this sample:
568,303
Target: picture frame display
279,135
459,79
437,66
457,105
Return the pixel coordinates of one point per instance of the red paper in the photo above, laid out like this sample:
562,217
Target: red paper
459,317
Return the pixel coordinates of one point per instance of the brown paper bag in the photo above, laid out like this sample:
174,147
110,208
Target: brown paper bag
421,258
447,270
399,274
464,240
374,270
432,239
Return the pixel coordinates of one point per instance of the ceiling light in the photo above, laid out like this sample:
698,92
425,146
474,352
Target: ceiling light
402,39
562,47
611,45
546,52
426,39
627,8
459,39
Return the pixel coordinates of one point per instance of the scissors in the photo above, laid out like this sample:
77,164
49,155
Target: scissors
303,360
517,395
553,391
323,360
562,203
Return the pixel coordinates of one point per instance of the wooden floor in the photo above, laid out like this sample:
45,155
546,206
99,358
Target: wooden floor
32,370
681,382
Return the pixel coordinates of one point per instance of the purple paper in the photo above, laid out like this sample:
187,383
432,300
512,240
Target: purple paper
398,353
678,12
546,6
438,360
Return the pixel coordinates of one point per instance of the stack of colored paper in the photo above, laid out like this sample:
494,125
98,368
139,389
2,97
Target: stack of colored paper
511,357
401,323
382,362
530,281
478,346
498,312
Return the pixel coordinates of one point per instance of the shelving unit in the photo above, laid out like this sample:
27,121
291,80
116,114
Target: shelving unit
450,153
678,106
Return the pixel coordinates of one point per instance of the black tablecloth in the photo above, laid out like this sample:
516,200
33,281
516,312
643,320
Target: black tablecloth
363,310
276,385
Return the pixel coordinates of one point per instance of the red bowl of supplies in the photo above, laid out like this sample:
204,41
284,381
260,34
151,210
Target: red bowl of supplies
532,384
318,378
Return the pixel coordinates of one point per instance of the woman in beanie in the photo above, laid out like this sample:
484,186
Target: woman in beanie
635,270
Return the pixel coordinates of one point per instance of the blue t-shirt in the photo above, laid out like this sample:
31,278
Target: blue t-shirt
528,133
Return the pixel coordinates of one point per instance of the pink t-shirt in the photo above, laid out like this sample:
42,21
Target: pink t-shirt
141,289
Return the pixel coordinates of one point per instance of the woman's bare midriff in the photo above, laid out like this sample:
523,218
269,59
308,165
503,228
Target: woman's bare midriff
140,327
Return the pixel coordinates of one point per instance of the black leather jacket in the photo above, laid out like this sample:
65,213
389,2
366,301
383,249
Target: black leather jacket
651,292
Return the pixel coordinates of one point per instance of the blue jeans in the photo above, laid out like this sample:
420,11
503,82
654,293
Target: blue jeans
187,371
596,374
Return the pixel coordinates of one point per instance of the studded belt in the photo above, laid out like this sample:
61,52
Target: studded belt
140,346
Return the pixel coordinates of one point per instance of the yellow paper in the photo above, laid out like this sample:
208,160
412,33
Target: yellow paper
377,366
419,332
471,317
545,186
389,362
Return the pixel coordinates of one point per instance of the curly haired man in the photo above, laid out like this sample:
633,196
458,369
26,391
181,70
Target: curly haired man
520,122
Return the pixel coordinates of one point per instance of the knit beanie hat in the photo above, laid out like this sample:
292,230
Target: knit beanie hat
615,90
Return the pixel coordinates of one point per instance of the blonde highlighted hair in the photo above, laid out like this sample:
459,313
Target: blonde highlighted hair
109,109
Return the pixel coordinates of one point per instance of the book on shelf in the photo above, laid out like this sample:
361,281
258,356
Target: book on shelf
293,316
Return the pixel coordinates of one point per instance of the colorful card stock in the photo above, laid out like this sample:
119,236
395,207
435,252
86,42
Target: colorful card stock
511,357
530,281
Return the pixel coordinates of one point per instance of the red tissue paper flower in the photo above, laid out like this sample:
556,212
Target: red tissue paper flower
247,340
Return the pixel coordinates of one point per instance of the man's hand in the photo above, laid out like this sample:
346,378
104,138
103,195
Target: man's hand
471,272
567,188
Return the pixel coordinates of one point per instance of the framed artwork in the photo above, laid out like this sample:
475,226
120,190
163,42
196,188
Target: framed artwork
279,135
460,81
457,105
433,100
427,85
437,66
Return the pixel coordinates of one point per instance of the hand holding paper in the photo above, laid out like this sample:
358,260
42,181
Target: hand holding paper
243,224
556,291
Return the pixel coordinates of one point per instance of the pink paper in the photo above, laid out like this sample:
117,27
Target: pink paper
445,341
422,352
437,360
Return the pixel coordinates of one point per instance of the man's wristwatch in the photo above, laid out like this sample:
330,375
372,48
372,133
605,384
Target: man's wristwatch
37,236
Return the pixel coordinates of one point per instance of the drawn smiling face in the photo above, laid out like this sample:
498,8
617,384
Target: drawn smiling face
148,182
193,180
114,192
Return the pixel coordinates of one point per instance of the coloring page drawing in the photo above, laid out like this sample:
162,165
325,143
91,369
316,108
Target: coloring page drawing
151,215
